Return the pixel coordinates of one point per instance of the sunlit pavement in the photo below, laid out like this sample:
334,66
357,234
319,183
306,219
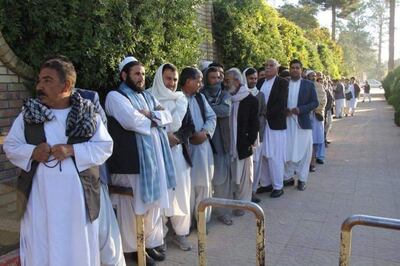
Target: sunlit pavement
361,175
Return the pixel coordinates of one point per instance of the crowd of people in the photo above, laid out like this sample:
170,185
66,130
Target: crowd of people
192,135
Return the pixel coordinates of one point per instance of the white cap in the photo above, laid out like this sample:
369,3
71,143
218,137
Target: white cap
126,61
308,72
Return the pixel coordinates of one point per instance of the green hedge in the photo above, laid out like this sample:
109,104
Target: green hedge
248,32
391,85
97,34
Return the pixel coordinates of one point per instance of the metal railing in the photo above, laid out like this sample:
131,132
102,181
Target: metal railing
364,220
141,252
235,204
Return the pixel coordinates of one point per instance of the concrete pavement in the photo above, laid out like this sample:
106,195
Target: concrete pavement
361,176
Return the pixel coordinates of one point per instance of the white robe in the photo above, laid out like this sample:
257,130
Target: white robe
202,156
55,229
179,198
298,140
119,107
273,150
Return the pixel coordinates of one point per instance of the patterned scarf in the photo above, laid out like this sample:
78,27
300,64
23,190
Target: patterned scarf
81,120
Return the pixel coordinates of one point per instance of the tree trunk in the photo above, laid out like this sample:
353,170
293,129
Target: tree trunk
391,34
333,21
380,37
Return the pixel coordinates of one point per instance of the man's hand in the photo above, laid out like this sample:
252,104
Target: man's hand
41,153
288,112
198,138
62,151
146,113
173,140
295,111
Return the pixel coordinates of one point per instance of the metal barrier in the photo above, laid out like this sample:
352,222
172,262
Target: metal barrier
236,204
364,220
141,252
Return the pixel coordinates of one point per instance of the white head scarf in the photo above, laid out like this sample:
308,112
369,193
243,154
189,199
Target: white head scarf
254,91
175,101
160,91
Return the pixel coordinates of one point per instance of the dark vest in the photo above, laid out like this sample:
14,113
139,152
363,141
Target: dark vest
34,134
125,156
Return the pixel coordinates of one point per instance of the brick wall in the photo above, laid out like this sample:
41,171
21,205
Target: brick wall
205,16
12,92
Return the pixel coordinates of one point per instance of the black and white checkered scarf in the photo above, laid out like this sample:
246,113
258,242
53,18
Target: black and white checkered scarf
81,120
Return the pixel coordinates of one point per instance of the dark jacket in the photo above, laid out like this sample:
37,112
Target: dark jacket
339,91
306,102
247,126
277,103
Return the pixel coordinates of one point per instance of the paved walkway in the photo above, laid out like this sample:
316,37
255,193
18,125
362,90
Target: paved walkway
361,176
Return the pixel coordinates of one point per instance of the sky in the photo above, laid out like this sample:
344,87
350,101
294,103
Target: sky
324,19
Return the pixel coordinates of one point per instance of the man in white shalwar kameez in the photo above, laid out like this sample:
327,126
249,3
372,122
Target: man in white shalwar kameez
244,125
164,90
58,227
301,101
205,121
139,113
273,151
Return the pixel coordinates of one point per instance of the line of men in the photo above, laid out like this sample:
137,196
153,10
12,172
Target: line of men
172,147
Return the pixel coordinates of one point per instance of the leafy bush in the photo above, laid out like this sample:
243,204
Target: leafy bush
249,32
97,34
389,80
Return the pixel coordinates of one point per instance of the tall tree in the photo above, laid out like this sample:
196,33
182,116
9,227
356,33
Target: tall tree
392,4
379,20
303,16
339,8
359,55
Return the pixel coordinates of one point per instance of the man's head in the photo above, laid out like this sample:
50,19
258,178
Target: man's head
234,80
352,80
261,72
213,76
132,73
190,80
311,75
170,76
220,69
366,82
271,68
251,77
56,80
285,74
295,69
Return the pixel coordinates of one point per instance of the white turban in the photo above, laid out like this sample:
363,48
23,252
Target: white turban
126,61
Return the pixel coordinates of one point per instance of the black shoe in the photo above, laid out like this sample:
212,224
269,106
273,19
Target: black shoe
255,199
312,168
264,189
276,193
301,185
320,161
289,182
154,254
149,260
162,249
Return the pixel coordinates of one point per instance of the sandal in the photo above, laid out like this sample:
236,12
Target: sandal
225,219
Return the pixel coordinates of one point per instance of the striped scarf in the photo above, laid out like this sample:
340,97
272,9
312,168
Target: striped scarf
81,120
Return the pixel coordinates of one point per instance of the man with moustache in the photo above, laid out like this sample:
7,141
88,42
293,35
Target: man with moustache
58,141
141,160
273,130
302,100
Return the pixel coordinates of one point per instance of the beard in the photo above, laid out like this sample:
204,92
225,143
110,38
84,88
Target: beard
133,85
